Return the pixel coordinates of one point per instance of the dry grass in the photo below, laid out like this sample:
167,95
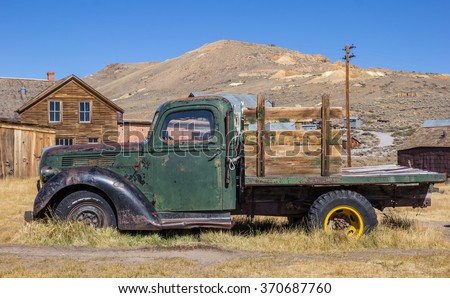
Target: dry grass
16,196
407,243
268,235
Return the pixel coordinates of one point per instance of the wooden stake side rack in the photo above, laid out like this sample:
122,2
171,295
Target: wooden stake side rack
270,153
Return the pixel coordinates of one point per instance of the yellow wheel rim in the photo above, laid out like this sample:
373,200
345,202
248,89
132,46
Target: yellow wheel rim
344,218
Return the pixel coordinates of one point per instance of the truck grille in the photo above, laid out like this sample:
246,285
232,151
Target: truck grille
88,160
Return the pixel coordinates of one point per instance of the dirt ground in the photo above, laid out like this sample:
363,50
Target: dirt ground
205,256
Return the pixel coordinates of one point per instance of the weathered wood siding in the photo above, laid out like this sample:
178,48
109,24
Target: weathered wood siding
20,149
103,123
435,159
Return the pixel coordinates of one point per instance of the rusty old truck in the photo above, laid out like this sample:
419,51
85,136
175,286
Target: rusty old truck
207,158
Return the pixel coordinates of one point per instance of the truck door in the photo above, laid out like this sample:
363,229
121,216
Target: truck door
189,159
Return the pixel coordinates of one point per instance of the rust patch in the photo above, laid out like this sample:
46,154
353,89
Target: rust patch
138,165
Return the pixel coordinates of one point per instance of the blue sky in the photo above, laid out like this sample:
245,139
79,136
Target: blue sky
83,36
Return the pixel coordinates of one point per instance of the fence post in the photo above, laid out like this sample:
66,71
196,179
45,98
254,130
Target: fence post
260,120
326,136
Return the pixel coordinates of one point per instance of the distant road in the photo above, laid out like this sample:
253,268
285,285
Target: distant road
385,138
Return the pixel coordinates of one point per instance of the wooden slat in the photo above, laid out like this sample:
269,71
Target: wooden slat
326,136
7,139
286,137
293,166
293,114
2,168
260,120
25,153
284,150
250,151
17,152
289,137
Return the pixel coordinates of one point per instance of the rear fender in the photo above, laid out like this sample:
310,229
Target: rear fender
133,209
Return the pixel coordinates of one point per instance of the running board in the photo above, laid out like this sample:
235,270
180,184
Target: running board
189,220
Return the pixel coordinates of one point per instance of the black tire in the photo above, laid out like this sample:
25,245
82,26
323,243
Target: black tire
342,210
88,207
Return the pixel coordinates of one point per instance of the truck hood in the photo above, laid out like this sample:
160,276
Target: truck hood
93,148
57,158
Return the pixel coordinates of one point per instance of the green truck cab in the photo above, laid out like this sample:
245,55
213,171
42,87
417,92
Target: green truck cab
190,172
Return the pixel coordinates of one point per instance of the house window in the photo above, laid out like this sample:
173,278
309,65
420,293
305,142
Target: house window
85,112
93,140
64,141
54,111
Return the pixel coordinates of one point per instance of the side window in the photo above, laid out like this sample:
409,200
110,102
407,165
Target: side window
64,141
195,126
85,112
54,111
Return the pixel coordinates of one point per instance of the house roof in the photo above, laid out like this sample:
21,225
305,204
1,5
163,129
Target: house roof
60,84
428,137
15,123
10,97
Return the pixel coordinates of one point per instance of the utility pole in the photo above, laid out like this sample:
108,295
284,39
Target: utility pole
347,58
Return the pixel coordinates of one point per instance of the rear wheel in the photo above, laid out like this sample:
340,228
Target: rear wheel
86,207
342,210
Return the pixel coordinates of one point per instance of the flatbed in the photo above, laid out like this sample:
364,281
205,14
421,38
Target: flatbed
386,174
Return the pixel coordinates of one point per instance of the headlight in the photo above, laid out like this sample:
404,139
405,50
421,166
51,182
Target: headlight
47,173
45,170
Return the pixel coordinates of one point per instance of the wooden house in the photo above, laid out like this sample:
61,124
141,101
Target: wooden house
78,113
428,148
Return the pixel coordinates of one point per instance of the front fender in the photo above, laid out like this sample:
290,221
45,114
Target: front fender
133,209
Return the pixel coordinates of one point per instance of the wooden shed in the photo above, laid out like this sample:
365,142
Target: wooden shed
21,147
428,148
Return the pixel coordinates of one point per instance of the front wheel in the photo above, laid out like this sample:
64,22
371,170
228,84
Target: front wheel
86,207
342,210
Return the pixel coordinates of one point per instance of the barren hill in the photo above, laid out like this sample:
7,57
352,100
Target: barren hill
385,100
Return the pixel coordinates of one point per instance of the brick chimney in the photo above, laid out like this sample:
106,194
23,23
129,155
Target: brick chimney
51,76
